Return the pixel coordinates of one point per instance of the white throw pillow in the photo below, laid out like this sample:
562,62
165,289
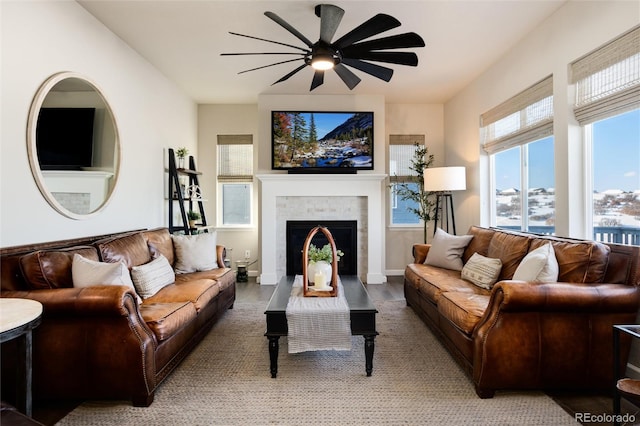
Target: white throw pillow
446,250
195,252
482,271
539,265
86,273
152,277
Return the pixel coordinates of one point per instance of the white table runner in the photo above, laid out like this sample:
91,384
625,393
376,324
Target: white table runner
317,323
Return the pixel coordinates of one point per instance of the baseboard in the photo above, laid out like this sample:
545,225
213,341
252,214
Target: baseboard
394,272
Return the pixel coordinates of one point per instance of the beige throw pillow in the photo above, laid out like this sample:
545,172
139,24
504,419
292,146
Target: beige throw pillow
539,265
446,250
195,252
482,271
152,277
87,273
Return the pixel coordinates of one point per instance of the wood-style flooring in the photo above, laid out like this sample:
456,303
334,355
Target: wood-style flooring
571,402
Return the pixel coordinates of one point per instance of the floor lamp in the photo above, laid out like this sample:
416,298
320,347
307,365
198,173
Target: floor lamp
443,180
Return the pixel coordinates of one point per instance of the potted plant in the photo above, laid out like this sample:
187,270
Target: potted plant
320,260
181,153
192,216
412,189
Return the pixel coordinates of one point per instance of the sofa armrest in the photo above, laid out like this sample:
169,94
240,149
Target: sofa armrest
101,300
221,253
419,252
565,297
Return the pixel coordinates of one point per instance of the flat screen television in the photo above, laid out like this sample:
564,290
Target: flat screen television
320,141
64,138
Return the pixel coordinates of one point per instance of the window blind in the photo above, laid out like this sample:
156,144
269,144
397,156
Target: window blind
235,158
608,79
401,152
526,117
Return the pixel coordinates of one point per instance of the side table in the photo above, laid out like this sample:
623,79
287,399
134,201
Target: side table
18,317
623,387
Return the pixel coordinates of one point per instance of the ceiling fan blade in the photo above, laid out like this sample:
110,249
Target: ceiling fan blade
270,65
376,25
263,53
318,79
392,42
349,78
269,41
286,77
284,24
400,58
383,73
330,17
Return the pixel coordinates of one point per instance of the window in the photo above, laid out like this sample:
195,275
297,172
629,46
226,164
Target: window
235,180
402,149
607,105
518,136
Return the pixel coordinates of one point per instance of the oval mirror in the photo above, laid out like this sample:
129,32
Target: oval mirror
73,146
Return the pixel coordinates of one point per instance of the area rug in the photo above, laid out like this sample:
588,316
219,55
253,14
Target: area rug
226,381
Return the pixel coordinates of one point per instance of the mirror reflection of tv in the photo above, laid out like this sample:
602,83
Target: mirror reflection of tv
321,141
64,138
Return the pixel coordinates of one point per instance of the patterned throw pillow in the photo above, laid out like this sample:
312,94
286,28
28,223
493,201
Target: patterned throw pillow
152,277
195,252
482,271
87,273
539,265
446,250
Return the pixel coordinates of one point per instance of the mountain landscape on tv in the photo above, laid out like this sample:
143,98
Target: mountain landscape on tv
322,140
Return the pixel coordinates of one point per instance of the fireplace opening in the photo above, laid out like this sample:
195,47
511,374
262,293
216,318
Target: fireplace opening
344,233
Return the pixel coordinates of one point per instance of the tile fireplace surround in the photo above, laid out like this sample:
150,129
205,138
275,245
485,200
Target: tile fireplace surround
323,197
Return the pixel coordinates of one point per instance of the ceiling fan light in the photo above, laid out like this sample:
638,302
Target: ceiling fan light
322,62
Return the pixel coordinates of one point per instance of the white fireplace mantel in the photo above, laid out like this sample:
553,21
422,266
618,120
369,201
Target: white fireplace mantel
366,185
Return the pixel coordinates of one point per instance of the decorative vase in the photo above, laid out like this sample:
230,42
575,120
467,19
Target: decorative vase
320,266
181,162
192,223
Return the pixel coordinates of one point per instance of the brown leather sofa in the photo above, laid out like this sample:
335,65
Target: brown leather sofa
98,342
530,335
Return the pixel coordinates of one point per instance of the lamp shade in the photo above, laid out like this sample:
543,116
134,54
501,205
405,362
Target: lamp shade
445,179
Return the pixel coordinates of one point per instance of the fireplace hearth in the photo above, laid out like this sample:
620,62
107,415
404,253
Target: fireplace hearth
344,233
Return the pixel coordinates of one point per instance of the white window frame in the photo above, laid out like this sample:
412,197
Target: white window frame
233,179
393,196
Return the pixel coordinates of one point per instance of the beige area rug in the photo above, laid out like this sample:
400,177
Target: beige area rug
226,381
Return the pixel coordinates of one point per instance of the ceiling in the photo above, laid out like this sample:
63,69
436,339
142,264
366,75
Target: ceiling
184,40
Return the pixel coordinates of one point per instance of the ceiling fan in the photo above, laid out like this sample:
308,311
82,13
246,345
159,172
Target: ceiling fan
347,51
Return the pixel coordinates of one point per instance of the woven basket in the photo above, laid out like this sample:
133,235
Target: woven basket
333,282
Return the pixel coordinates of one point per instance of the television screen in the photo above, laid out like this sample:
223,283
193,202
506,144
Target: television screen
314,141
64,138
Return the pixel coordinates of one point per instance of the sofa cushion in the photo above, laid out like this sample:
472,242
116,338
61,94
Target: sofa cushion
131,249
89,273
198,292
223,276
464,310
578,261
446,250
538,265
165,319
479,243
482,271
195,252
433,281
52,269
510,249
151,277
160,242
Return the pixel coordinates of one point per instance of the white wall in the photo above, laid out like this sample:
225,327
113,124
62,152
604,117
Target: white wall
420,119
214,120
43,38
574,30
